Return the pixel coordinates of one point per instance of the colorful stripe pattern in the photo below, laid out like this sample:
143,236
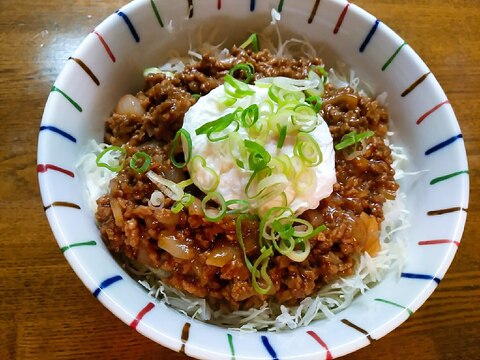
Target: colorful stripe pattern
420,276
58,131
389,61
410,312
448,176
105,46
190,9
446,211
129,25
415,84
438,242
280,6
184,337
369,36
314,11
340,19
230,343
156,12
86,69
141,314
358,328
69,99
269,347
106,283
432,110
62,204
42,168
79,244
443,144
328,354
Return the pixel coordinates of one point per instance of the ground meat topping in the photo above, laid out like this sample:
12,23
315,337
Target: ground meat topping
203,258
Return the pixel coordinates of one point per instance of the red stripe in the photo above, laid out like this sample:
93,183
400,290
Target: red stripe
340,19
141,314
438,241
328,355
42,168
431,111
105,45
219,4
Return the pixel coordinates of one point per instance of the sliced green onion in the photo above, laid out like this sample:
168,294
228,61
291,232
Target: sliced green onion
217,126
183,184
352,138
322,71
253,41
186,200
120,158
168,187
305,117
262,261
259,157
281,96
305,180
237,148
238,230
249,116
243,206
196,96
316,102
247,68
213,214
235,88
186,141
307,149
146,161
205,177
282,134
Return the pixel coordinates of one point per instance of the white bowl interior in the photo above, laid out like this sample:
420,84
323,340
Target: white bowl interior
436,199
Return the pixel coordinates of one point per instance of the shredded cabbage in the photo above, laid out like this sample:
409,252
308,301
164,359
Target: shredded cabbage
332,298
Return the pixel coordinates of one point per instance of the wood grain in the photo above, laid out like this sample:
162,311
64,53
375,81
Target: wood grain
46,312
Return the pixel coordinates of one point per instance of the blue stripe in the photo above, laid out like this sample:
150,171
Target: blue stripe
420,276
269,348
58,131
252,5
443,144
106,283
129,24
369,36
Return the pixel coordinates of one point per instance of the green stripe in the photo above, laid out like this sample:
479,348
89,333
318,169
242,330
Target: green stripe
86,243
230,342
389,61
410,312
157,14
446,177
280,6
78,107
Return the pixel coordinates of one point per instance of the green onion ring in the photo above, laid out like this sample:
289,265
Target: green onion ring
181,134
253,41
308,150
113,168
262,260
146,162
214,214
248,68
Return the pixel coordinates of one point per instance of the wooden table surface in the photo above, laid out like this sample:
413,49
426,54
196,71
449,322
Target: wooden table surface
47,313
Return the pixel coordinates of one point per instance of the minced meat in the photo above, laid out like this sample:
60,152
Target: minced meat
203,258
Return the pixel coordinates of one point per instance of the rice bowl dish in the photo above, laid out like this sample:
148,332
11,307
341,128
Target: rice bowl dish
337,298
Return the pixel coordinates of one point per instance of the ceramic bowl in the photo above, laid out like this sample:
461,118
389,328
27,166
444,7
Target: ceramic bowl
110,63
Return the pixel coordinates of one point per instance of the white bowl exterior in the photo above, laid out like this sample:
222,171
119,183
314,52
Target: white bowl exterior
424,123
